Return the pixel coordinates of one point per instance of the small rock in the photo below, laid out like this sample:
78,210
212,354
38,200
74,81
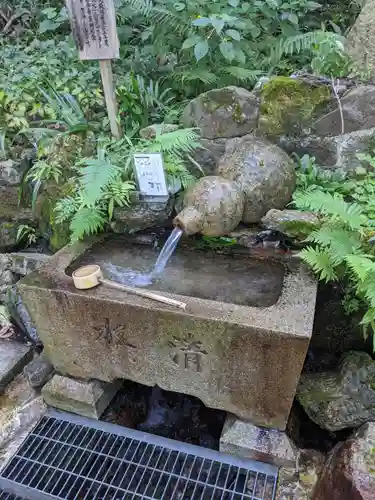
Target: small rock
226,112
157,129
293,223
358,109
207,156
349,473
265,173
298,482
344,398
38,371
141,215
10,173
13,357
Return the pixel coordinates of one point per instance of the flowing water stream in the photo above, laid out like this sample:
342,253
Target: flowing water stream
136,278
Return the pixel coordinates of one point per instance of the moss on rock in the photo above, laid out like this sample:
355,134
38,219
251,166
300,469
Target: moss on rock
288,105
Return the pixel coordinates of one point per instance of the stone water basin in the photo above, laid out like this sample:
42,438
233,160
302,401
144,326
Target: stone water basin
239,346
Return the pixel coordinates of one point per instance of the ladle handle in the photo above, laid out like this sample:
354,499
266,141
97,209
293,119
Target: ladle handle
143,293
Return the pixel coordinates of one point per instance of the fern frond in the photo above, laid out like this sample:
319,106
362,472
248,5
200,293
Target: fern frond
361,266
86,221
304,41
332,205
202,75
243,74
65,208
320,262
339,242
178,142
368,289
142,7
94,177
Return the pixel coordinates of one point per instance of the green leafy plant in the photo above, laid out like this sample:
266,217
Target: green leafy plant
340,247
202,44
103,183
26,234
141,103
98,188
311,176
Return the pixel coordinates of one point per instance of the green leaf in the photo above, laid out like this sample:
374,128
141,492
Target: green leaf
233,3
234,34
218,24
313,5
227,50
272,3
86,221
201,21
191,41
255,31
201,50
240,56
47,25
293,18
95,175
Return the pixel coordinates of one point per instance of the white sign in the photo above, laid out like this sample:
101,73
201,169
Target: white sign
150,174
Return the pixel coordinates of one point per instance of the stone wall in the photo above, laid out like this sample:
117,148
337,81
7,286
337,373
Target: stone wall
301,114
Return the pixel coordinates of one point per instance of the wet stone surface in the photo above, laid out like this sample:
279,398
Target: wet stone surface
165,413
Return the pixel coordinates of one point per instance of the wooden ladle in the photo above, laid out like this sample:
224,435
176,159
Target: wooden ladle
90,276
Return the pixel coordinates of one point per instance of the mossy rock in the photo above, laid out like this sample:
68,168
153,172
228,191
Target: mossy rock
288,106
227,112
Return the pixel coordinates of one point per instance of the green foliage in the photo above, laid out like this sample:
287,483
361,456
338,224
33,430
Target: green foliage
98,188
141,104
288,105
222,42
311,176
103,183
340,248
26,234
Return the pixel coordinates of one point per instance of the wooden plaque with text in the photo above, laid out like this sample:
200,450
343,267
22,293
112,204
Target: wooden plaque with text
94,28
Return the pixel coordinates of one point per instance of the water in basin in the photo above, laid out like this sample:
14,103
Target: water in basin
238,279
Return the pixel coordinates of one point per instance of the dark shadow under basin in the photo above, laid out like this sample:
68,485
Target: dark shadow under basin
236,279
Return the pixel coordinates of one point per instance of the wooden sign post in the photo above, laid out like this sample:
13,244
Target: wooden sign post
94,29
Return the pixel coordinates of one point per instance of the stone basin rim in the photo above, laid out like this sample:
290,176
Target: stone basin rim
289,316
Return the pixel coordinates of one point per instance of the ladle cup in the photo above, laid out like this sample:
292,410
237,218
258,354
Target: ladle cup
90,276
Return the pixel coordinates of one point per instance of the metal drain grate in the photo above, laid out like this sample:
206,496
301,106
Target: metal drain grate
74,458
8,496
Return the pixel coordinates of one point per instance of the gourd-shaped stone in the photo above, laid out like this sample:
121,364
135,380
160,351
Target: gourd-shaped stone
213,206
263,170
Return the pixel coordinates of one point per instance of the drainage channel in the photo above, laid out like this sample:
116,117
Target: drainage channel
75,458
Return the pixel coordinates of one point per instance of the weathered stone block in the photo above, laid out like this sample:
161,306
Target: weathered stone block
89,398
239,346
26,262
246,440
13,357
